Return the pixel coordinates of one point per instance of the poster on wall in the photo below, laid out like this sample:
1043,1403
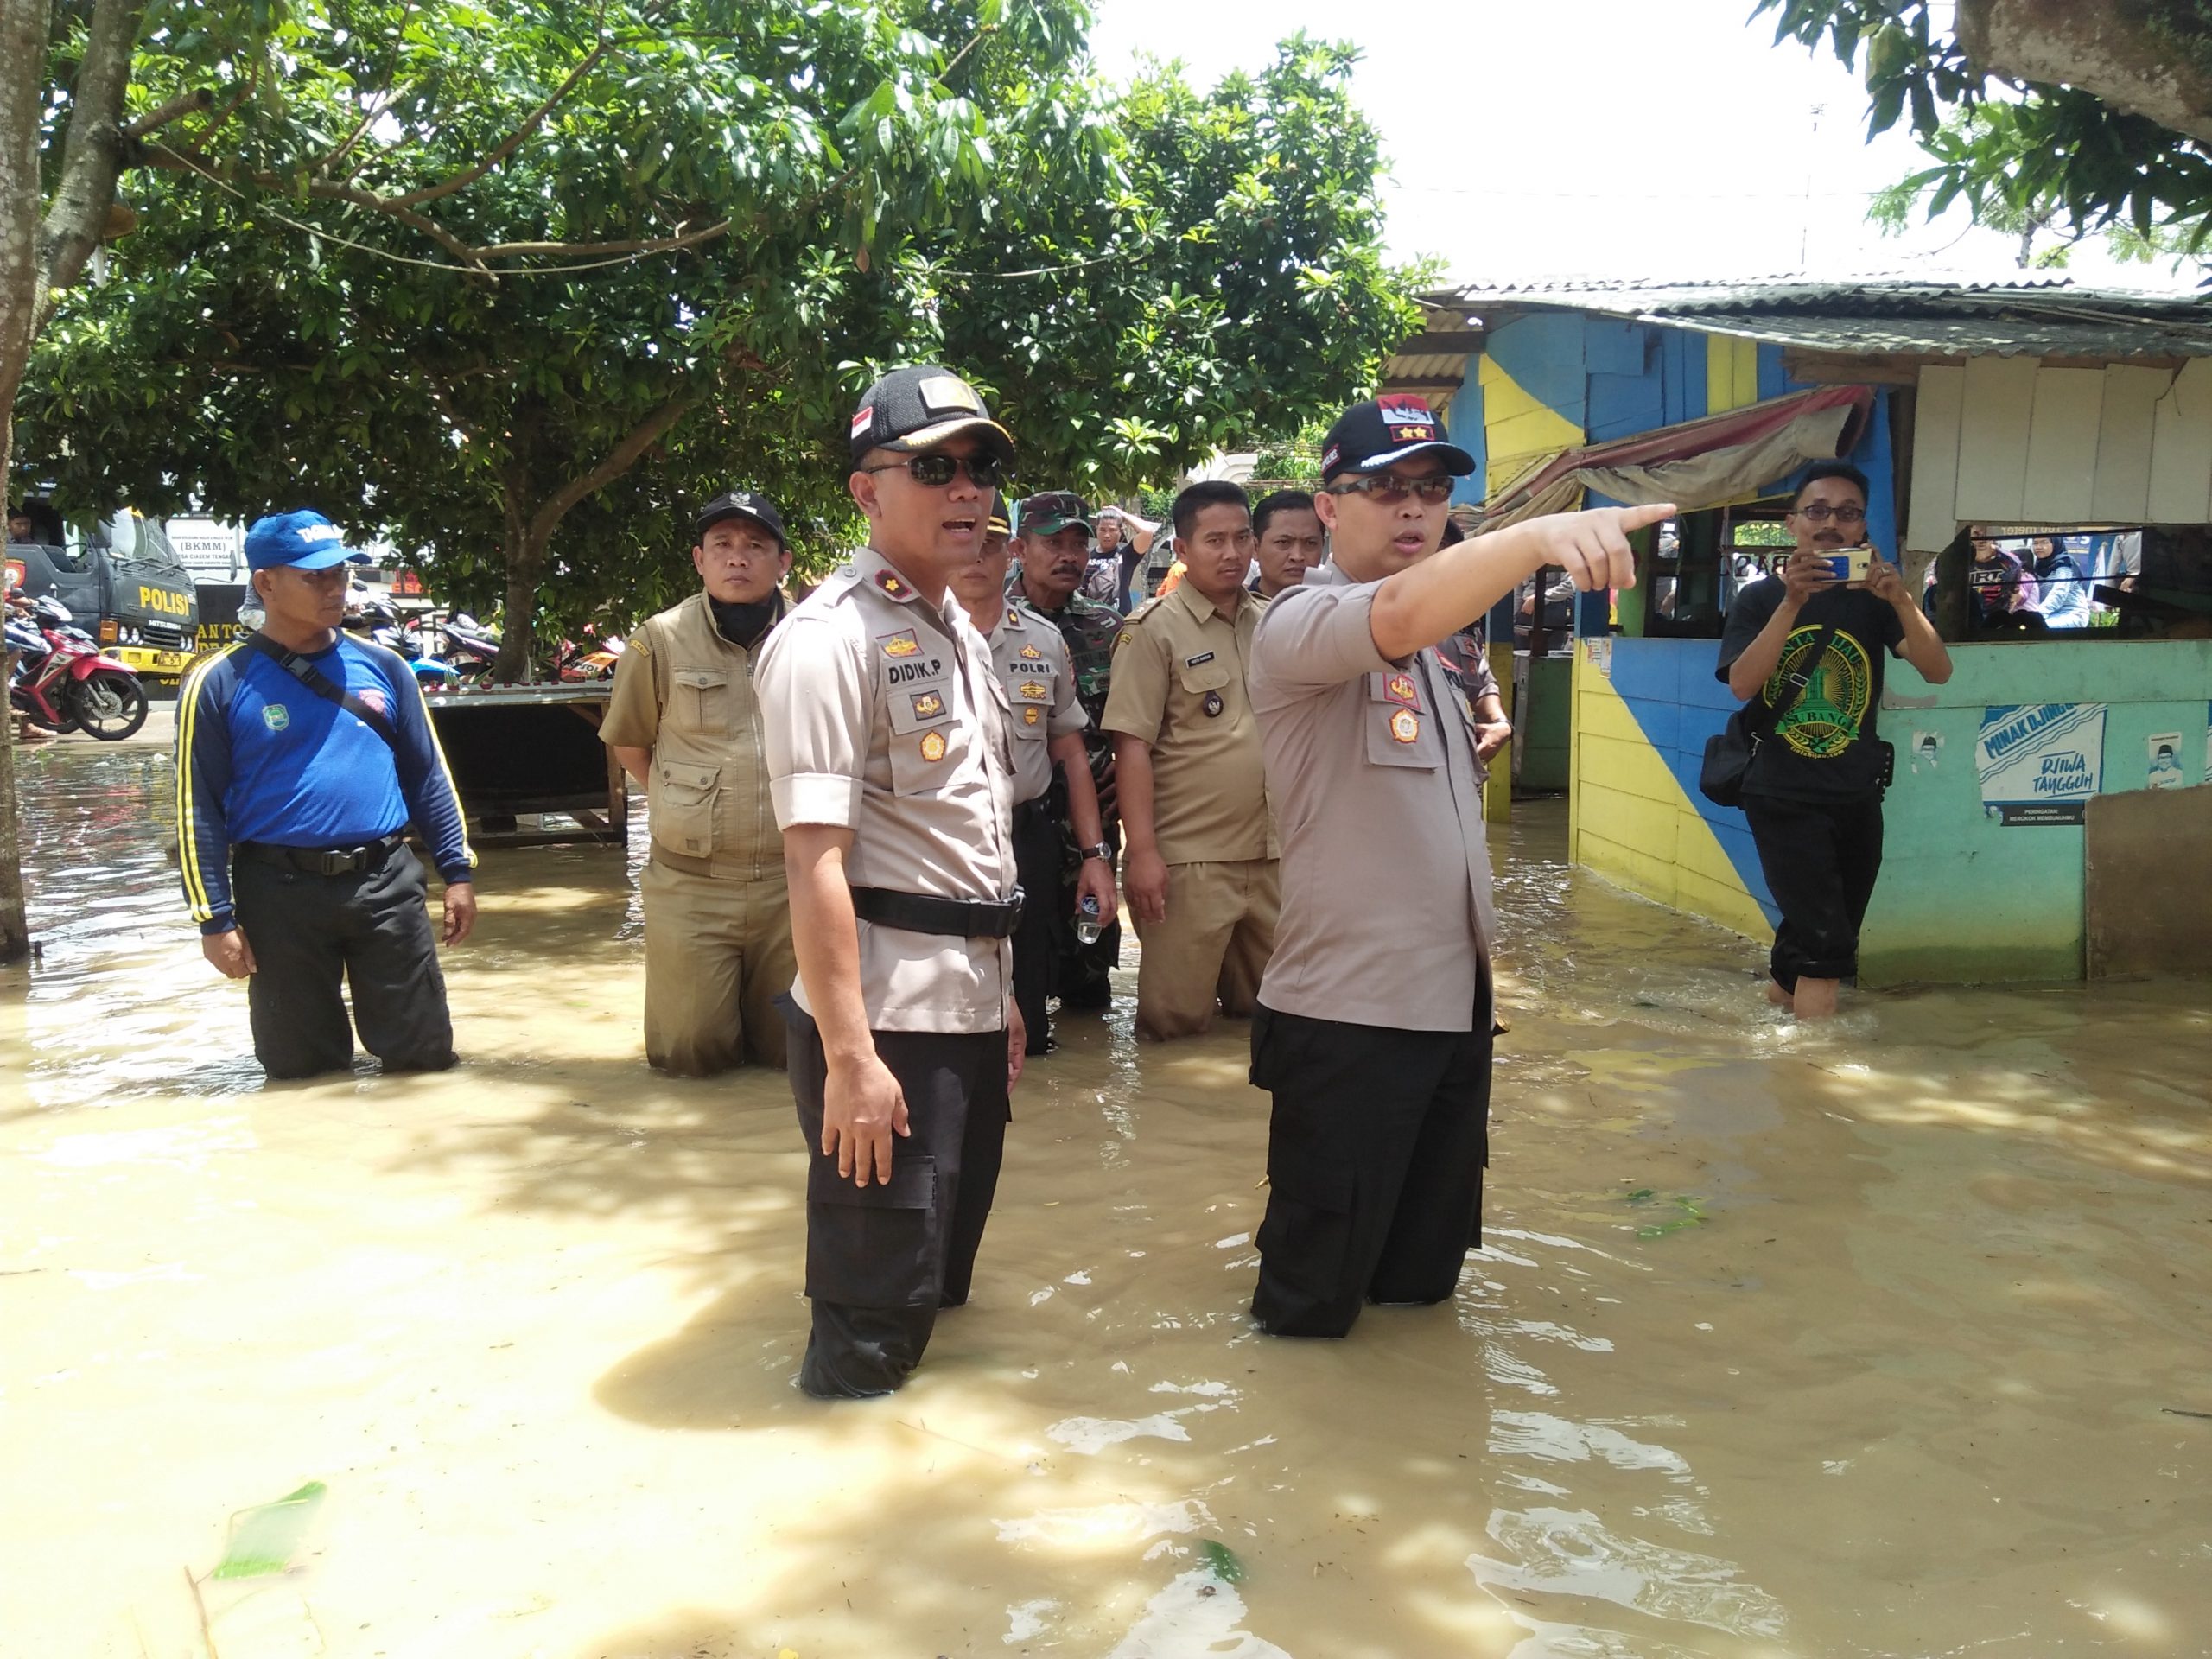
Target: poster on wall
2040,762
2165,770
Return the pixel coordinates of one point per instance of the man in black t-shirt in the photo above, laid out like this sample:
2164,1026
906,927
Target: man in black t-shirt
1814,793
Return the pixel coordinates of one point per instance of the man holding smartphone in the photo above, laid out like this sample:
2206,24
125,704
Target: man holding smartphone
1809,644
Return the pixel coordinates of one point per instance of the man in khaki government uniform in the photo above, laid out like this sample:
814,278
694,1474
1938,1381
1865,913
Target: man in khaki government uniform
890,767
1049,725
683,722
1374,1028
1201,846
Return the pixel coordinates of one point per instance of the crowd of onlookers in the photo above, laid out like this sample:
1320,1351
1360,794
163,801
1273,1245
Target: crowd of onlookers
2048,581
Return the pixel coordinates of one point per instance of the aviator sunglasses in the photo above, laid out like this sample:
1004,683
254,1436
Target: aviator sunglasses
934,470
1389,489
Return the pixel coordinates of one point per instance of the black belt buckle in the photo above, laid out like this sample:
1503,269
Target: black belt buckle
343,862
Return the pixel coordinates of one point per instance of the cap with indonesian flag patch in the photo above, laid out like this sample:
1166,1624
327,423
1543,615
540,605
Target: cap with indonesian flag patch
909,409
1384,431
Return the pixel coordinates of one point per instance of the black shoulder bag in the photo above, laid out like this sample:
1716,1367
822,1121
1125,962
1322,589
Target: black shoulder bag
319,682
1729,752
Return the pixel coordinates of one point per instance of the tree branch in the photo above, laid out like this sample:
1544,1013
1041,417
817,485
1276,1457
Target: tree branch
657,244
182,105
514,140
92,153
617,461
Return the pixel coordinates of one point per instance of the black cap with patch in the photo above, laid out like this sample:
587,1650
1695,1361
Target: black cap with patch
740,504
909,409
1384,431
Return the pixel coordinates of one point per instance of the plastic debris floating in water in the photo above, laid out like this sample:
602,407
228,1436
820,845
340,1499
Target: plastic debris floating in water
262,1538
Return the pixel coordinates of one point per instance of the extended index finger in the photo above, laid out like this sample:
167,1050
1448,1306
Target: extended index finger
1643,518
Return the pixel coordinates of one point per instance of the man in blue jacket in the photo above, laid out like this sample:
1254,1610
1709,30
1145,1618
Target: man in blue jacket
301,754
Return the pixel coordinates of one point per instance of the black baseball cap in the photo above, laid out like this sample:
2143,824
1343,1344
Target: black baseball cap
1383,431
1052,511
740,504
909,409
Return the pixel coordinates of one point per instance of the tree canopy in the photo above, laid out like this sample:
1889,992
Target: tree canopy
514,286
2091,114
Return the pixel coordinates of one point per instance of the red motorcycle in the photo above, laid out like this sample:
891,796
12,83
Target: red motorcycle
71,685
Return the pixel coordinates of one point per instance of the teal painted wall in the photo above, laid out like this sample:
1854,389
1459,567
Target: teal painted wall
1966,898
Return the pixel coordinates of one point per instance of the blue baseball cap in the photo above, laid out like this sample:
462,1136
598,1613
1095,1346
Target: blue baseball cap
304,540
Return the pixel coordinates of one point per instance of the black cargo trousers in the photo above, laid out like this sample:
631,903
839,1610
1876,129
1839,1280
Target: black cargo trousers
312,933
882,1260
1044,931
1377,1146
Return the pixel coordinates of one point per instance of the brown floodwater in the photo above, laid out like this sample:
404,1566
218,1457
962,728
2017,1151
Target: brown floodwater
1883,1338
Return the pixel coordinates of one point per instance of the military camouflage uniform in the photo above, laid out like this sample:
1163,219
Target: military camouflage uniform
1090,629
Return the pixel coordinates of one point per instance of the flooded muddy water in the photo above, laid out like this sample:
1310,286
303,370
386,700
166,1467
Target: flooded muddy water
1883,1338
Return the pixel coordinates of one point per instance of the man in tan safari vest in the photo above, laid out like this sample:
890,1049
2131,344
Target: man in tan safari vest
683,722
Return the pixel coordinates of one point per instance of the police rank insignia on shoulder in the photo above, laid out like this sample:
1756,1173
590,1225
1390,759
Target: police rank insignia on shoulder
1399,689
1213,704
891,585
928,705
1032,653
1031,716
1035,691
1405,725
902,644
932,746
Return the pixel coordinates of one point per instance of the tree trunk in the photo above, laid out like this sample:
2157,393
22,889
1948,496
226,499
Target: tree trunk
23,66
526,559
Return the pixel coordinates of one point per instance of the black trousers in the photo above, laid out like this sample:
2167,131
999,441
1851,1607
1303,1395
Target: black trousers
882,1259
1820,859
1375,1152
370,930
1083,975
1037,941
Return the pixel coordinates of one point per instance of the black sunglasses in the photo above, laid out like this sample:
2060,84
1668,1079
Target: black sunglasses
1389,489
934,470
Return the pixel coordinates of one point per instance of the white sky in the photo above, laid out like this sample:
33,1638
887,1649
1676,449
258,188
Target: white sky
1596,138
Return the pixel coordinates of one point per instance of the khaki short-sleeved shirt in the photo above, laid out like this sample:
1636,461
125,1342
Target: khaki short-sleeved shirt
1033,664
1180,673
1386,888
882,714
686,693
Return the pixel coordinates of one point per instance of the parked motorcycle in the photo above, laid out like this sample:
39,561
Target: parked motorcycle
380,625
470,647
589,659
68,684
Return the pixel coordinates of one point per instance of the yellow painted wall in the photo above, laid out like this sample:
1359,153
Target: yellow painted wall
1629,819
1732,373
1518,432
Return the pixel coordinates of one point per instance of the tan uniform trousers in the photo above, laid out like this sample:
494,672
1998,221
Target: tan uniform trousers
718,954
1213,947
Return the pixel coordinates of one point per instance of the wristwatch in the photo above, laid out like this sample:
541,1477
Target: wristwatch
1102,851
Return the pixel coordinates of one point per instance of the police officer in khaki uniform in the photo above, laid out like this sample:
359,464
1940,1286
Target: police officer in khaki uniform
890,766
1201,862
683,722
1049,723
1374,1029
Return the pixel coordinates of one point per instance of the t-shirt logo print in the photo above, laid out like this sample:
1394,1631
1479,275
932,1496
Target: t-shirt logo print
276,717
1830,715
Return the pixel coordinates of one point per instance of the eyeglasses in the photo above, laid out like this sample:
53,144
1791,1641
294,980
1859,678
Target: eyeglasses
934,470
1389,489
1819,513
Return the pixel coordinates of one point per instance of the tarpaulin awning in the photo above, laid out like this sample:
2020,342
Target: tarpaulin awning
1697,463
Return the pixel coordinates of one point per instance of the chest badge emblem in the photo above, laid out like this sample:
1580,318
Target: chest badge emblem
1035,691
276,717
1405,726
1399,689
1031,716
1213,704
1032,653
928,705
932,746
901,644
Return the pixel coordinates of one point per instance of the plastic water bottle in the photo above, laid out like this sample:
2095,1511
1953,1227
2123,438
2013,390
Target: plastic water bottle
1087,925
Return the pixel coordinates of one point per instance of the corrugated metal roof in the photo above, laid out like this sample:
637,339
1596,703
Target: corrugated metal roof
2042,314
